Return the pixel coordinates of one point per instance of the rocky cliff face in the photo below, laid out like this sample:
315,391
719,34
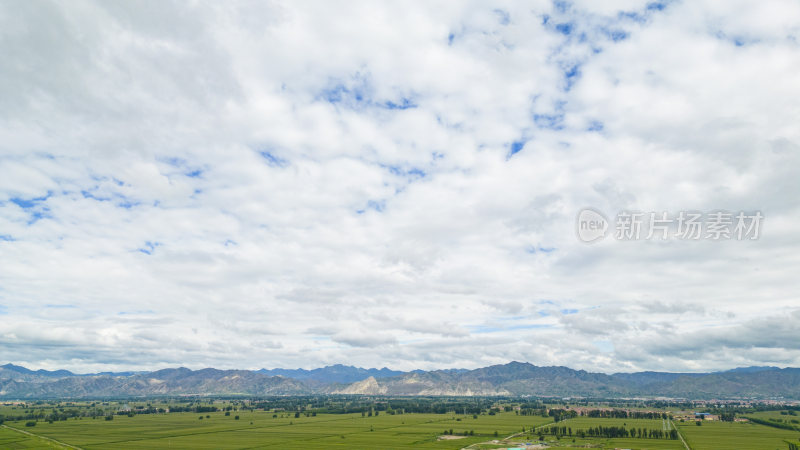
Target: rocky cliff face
369,386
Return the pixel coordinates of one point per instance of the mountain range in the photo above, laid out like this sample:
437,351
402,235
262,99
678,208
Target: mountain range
332,374
512,379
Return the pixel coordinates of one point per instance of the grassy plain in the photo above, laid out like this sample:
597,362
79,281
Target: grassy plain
735,435
259,429
11,439
584,423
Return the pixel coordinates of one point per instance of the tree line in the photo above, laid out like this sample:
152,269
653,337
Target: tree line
612,432
623,414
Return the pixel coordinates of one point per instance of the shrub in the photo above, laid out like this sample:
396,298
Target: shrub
30,423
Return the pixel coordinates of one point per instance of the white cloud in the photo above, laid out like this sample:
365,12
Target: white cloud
292,184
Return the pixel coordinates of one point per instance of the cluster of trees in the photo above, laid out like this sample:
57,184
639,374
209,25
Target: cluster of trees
562,414
793,446
744,409
441,405
628,404
604,413
465,433
301,403
623,414
195,409
613,432
557,431
533,412
43,414
532,409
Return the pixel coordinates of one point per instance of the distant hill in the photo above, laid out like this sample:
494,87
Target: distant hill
645,378
332,374
748,384
526,379
11,369
509,379
22,373
512,379
750,369
181,381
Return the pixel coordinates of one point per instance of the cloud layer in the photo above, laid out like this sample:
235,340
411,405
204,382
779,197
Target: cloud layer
294,184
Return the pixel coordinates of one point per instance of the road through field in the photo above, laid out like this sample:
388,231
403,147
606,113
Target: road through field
679,434
62,444
512,436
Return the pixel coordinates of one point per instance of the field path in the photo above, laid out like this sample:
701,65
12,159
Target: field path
680,435
65,445
512,436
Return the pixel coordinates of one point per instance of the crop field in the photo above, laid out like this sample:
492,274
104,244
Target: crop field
781,415
738,435
12,439
262,429
788,418
583,424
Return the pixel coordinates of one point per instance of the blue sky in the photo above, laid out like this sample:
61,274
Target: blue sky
295,184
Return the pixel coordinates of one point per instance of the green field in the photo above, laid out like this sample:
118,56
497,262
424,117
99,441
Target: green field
584,423
10,439
738,435
259,429
776,416
186,430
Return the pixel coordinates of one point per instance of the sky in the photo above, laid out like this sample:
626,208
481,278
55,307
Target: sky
250,184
